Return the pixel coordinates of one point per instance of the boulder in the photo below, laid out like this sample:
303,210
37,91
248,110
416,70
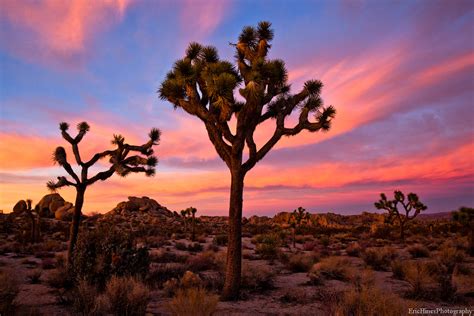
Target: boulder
65,212
20,206
49,204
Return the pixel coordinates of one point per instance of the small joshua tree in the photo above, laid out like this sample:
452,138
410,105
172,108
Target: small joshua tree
465,216
185,214
203,85
35,221
411,204
298,217
193,211
120,158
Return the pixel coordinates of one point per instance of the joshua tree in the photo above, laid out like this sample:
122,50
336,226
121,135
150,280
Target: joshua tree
203,85
120,159
185,213
411,204
193,211
298,217
465,216
35,221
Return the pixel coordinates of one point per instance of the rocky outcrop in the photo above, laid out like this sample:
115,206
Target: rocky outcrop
20,206
65,212
141,212
49,204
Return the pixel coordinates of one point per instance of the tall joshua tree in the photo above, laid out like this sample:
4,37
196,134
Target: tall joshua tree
298,217
193,211
121,159
185,214
203,85
411,204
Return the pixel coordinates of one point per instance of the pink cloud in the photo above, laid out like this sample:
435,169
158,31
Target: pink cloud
200,18
55,29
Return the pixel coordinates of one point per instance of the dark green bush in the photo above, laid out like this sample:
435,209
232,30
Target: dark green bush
105,252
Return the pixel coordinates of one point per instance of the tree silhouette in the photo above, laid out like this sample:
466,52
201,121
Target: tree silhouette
412,204
297,217
465,216
185,214
203,85
193,211
120,159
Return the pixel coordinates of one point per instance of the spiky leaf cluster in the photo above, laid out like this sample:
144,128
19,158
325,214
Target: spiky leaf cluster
411,204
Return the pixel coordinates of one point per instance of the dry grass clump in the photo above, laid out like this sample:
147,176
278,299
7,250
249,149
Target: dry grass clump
379,258
193,301
301,262
34,276
398,269
267,246
418,275
188,280
257,277
161,273
8,291
370,301
124,296
447,262
84,299
418,251
331,268
354,249
201,262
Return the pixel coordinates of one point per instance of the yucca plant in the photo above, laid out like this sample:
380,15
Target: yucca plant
203,85
296,219
121,159
411,205
465,217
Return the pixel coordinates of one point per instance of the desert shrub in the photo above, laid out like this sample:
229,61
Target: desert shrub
267,246
335,268
167,257
418,251
220,240
379,258
188,280
195,247
201,262
310,245
301,262
370,301
448,259
47,264
164,272
193,301
325,241
212,247
354,249
101,253
181,246
398,269
34,276
418,276
124,296
84,299
8,291
257,278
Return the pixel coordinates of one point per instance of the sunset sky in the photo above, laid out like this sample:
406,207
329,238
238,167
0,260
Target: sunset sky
400,74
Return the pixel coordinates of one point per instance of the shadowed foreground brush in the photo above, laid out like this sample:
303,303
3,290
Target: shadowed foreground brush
8,290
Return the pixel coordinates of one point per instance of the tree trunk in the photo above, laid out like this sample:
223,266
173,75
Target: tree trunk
234,247
402,231
76,219
294,237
